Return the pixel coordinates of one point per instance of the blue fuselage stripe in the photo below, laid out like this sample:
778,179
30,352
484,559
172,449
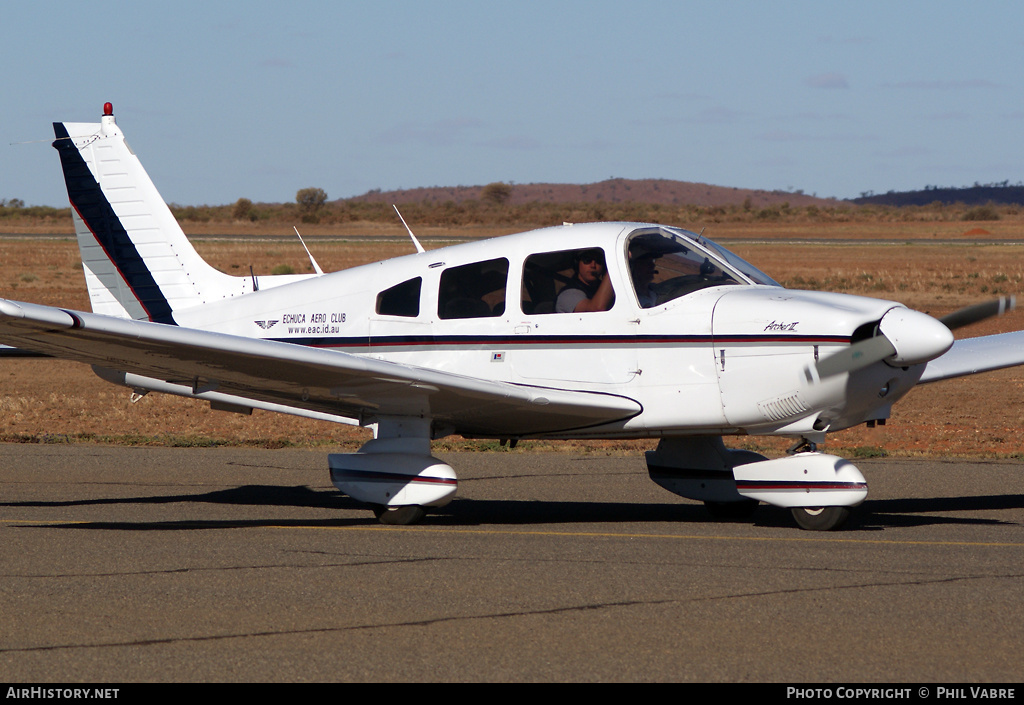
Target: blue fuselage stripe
558,341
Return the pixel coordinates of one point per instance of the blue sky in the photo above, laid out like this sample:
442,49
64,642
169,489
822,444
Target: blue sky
260,99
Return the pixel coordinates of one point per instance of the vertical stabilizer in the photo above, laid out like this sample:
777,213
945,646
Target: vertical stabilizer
138,262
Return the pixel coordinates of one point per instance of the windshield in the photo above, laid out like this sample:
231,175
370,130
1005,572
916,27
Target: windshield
666,263
756,275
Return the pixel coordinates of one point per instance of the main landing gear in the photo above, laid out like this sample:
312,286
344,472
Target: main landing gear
395,473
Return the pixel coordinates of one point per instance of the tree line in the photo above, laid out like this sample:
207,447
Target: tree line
493,208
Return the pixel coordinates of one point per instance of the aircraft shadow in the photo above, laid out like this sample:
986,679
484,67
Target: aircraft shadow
878,515
873,515
909,511
260,495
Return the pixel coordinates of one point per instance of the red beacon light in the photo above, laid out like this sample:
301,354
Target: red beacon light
108,108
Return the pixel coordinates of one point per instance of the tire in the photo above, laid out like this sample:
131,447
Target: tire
400,516
820,518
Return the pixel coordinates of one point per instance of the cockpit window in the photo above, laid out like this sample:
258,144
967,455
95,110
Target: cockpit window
567,281
664,266
473,290
401,300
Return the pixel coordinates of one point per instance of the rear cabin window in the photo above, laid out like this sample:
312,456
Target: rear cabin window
473,290
551,280
401,299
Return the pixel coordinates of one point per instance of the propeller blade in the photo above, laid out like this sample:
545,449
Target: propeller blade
979,312
913,337
858,355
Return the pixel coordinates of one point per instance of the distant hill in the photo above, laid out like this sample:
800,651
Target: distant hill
977,195
662,191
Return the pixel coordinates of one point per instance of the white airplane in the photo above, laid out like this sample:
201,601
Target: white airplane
673,338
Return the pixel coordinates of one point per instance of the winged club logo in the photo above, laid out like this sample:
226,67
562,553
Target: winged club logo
266,325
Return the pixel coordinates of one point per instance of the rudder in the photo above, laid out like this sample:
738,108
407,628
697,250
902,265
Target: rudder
137,261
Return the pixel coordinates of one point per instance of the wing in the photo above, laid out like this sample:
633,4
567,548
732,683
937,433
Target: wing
973,355
313,382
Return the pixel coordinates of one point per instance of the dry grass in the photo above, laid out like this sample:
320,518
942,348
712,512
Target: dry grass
981,416
931,278
853,224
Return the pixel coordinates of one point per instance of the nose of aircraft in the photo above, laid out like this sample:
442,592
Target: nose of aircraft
916,336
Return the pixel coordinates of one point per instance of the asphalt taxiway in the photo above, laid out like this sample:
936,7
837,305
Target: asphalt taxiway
163,564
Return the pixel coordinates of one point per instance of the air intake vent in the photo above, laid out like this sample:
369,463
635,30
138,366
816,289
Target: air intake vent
782,407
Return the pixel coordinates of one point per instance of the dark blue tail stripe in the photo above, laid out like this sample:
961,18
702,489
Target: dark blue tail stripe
88,200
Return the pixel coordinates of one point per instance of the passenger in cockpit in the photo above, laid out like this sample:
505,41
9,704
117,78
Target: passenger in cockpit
589,289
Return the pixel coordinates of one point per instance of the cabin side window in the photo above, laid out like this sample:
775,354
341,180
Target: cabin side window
401,300
473,290
565,282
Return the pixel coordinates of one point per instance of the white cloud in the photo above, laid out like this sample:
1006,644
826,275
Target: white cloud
276,62
942,85
827,80
715,116
513,142
441,132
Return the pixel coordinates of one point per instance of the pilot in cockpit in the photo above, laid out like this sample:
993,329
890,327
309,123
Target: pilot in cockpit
642,268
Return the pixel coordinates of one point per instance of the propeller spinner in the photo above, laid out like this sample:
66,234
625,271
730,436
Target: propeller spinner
906,337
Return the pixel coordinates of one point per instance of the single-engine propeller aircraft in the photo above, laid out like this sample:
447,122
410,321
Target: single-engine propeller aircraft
601,330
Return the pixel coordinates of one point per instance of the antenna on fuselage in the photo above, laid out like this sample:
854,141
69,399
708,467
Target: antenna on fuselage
316,267
419,247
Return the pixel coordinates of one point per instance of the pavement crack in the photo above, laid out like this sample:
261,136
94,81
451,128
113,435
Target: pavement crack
567,609
215,569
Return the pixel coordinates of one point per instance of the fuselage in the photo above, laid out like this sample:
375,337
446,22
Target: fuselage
702,340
